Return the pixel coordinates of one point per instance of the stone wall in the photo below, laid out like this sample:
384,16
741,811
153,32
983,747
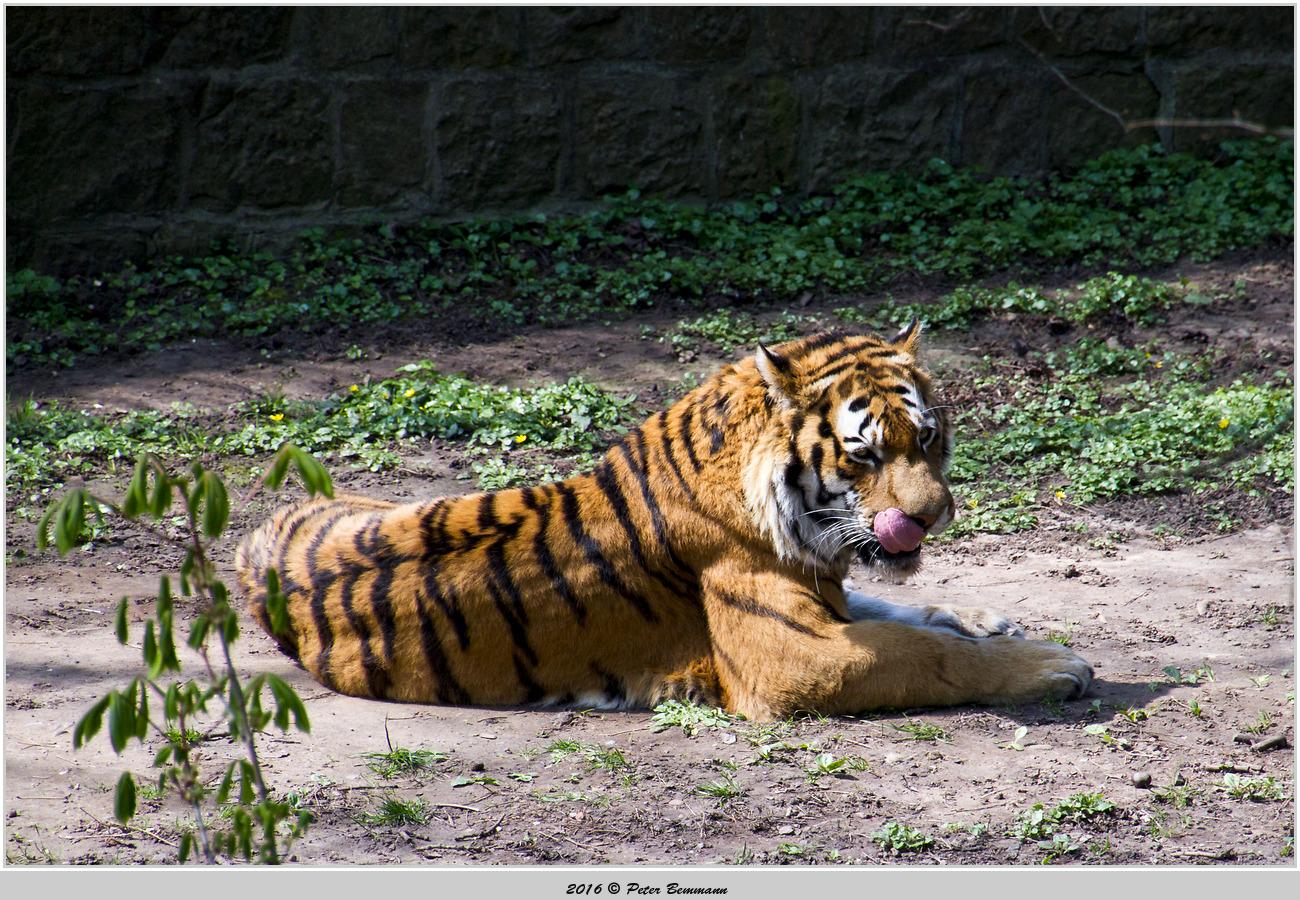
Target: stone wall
136,131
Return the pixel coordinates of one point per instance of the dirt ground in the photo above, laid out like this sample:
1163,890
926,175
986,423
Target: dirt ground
1131,597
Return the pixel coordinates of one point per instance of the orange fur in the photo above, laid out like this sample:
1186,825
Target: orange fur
703,559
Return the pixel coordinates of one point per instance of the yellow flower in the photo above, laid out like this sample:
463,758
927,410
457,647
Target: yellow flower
972,503
275,417
1060,495
354,388
520,438
1159,364
1223,423
409,393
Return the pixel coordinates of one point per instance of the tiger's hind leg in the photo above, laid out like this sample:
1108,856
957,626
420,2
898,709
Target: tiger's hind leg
697,683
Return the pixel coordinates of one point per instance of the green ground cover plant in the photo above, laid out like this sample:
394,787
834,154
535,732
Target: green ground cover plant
1130,207
363,424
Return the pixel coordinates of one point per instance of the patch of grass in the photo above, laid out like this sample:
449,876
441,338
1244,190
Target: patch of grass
402,761
829,764
1137,206
922,731
1263,722
1057,846
48,443
1040,822
1259,790
689,717
1176,795
721,789
730,331
790,848
393,811
899,838
607,759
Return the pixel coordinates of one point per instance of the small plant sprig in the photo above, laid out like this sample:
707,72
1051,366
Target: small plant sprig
254,815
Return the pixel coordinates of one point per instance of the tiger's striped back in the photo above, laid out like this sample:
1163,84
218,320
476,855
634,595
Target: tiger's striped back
589,591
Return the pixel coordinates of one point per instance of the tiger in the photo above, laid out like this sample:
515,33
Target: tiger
702,560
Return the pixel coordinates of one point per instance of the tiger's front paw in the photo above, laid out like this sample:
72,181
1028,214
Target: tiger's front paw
1041,670
972,621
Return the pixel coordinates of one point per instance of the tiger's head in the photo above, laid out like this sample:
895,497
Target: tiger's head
853,454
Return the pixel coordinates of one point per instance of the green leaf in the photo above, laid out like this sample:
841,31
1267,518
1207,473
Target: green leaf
121,721
216,505
124,798
142,715
287,698
90,723
119,621
223,789
162,756
277,604
137,497
160,500
186,846
199,630
314,476
152,658
247,782
279,467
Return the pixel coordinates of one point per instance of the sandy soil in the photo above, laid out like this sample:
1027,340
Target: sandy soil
1129,600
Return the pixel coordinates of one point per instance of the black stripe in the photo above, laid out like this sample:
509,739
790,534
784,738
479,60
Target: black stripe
827,608
532,690
375,679
546,561
688,440
572,518
746,605
825,339
832,371
446,688
449,604
487,519
607,480
666,446
637,467
320,585
518,633
858,404
612,685
381,604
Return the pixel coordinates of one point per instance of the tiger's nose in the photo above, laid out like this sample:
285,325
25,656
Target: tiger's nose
923,521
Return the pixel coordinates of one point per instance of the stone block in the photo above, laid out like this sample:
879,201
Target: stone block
1078,130
818,36
757,127
498,142
578,33
446,37
75,153
264,146
905,34
357,38
381,128
868,118
228,37
1002,122
680,34
1184,30
1260,94
77,41
638,130
1057,31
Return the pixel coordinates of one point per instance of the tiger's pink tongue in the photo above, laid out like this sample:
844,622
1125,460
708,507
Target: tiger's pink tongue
896,531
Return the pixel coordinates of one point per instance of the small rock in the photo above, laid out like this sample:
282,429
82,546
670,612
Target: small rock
477,767
1202,607
1141,779
785,829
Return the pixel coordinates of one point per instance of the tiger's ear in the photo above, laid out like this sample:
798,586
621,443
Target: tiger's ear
778,373
908,341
